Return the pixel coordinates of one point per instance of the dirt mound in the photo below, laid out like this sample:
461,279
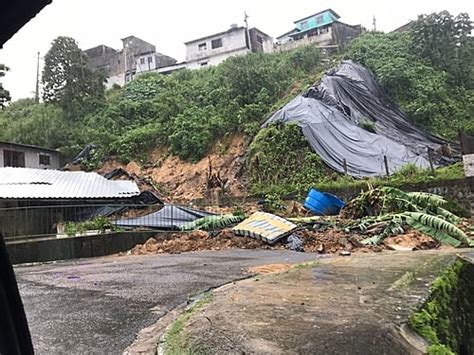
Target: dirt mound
197,241
187,181
413,240
184,181
333,241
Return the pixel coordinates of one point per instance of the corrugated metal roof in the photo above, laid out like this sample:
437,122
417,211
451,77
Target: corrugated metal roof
16,183
11,144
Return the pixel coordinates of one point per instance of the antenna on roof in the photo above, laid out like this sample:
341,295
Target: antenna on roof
246,19
247,33
37,79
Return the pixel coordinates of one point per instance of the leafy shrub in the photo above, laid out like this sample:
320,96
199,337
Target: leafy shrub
423,91
280,155
137,142
102,224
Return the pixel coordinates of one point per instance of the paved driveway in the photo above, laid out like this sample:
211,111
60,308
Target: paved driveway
99,305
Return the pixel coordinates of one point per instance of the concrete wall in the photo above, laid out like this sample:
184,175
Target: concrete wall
343,34
122,65
461,191
107,59
323,39
31,156
468,160
153,61
216,59
133,47
52,248
232,41
260,42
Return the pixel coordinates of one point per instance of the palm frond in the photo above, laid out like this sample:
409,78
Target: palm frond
305,220
213,222
438,228
447,215
426,200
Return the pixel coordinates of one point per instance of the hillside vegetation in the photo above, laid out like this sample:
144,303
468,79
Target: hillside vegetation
186,111
428,70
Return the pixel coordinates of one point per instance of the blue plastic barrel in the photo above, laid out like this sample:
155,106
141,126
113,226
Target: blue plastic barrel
322,203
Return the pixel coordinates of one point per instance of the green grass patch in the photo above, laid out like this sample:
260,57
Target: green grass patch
177,342
403,282
307,265
325,180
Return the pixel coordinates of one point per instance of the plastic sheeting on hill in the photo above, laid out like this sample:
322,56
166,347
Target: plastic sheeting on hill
168,218
329,116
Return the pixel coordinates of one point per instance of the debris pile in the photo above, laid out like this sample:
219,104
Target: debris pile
333,241
198,241
386,211
377,219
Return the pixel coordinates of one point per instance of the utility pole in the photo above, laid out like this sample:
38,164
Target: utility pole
37,79
247,32
374,23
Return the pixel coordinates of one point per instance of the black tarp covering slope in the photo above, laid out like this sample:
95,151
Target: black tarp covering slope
329,116
168,218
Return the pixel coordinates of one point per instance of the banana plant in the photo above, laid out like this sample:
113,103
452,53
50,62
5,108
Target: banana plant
213,222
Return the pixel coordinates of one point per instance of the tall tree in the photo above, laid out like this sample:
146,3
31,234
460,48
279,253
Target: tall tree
4,94
69,80
444,40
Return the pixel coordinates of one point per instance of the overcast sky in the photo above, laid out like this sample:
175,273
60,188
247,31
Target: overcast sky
168,24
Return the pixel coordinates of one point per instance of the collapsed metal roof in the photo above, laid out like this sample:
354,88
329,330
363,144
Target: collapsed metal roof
25,183
15,14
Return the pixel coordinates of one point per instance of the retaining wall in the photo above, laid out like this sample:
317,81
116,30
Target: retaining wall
53,248
460,191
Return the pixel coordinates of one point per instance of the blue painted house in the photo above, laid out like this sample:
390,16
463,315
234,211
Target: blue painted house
320,19
322,28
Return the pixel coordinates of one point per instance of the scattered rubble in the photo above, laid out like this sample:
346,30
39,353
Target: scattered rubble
333,241
412,240
197,241
377,219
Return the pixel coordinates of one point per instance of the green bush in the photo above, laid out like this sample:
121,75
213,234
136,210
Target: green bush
280,156
102,224
425,92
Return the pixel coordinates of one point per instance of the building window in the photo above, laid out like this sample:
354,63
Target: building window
319,19
304,25
203,64
216,43
150,59
202,47
13,158
142,60
260,39
44,159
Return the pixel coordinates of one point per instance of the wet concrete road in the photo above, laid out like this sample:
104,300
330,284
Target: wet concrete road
99,305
